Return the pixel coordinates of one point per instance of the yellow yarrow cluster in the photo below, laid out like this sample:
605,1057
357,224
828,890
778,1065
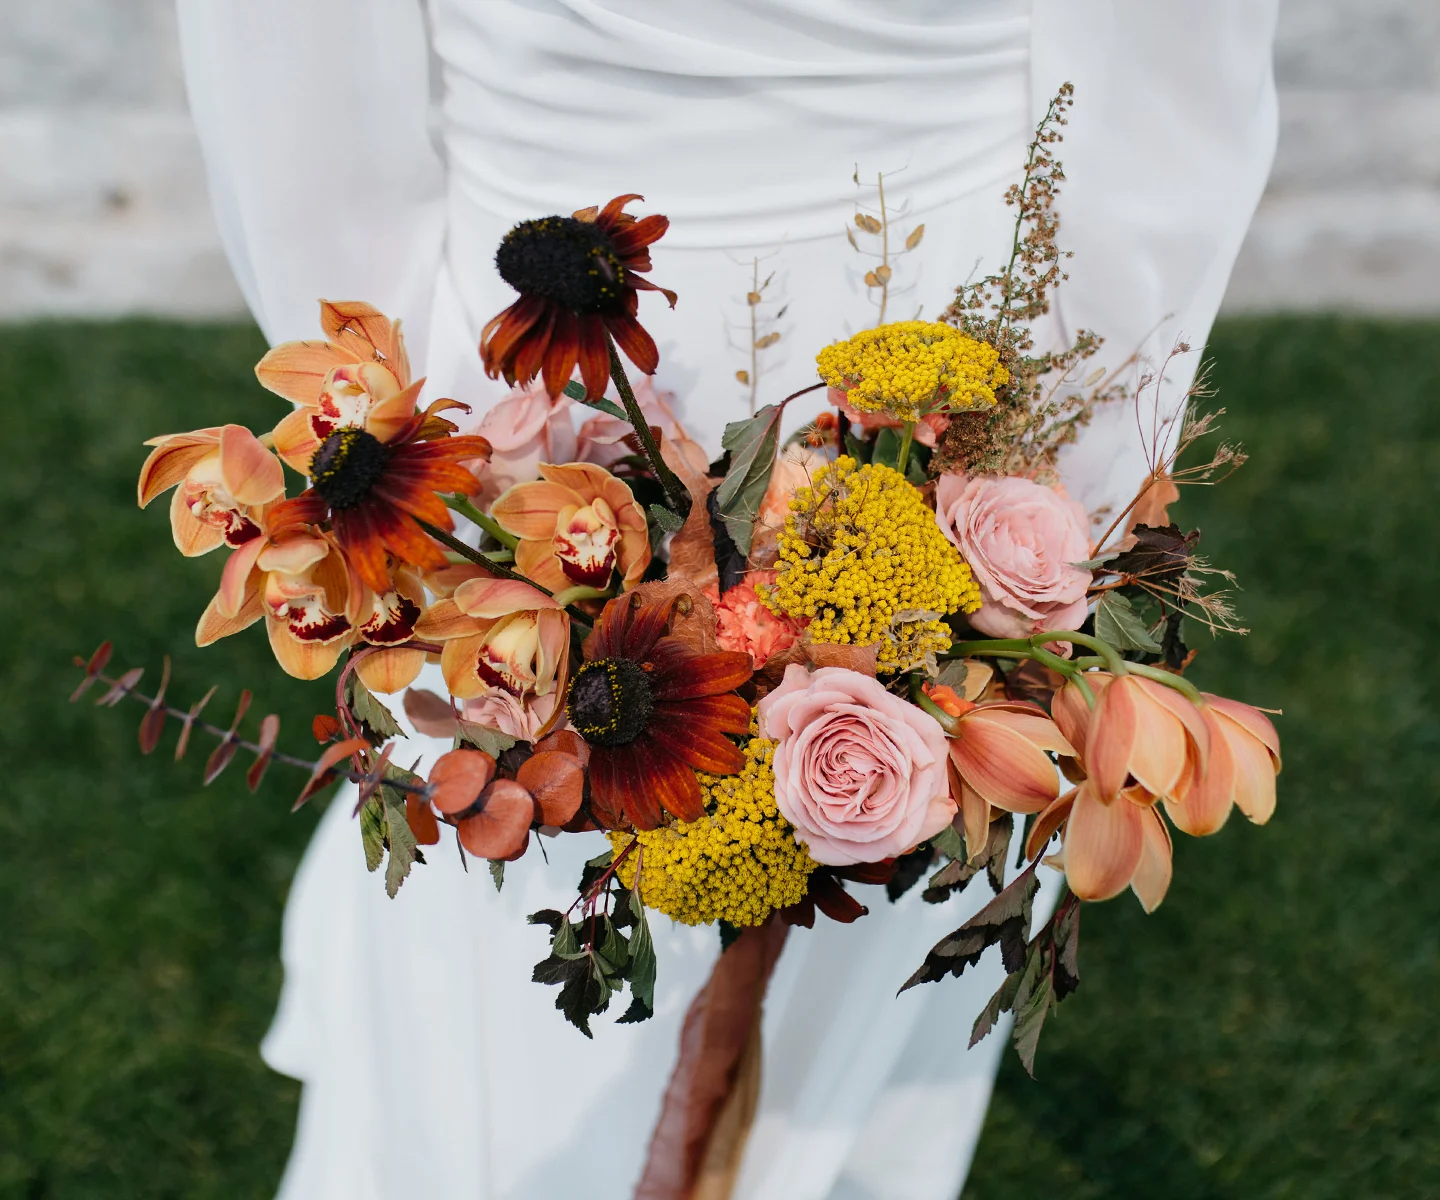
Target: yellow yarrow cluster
909,368
738,863
862,556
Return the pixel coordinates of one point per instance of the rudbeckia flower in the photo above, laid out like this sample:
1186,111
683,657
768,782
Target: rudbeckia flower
654,712
315,607
373,491
578,279
576,524
223,478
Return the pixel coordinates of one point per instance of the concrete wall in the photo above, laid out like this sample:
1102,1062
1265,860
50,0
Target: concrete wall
103,206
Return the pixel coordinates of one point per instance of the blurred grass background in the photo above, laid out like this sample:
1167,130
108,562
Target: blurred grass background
1269,1032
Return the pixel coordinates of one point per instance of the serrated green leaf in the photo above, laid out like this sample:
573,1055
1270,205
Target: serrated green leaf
1030,1013
642,961
1117,623
1004,922
471,736
999,1003
614,950
752,445
497,873
565,943
670,522
637,1012
378,721
949,842
372,833
403,850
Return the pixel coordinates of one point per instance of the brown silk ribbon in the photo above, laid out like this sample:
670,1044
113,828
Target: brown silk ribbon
710,1101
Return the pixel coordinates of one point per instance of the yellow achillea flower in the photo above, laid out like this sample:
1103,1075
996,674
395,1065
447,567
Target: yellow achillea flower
738,863
862,557
910,368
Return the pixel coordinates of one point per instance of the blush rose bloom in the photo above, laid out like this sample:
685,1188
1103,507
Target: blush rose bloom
859,772
1020,539
526,428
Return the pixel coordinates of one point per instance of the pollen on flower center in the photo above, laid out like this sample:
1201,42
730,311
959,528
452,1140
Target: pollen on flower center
348,464
561,259
610,701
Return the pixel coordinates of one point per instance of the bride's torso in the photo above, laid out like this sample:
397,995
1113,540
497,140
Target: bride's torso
744,121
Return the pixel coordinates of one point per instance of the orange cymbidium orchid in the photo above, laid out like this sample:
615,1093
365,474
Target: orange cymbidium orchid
503,636
577,524
223,477
359,378
315,607
998,753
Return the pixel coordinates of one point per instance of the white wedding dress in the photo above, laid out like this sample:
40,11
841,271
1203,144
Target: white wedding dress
378,150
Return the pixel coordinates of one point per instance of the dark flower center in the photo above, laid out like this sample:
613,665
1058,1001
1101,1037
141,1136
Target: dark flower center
348,464
610,701
564,260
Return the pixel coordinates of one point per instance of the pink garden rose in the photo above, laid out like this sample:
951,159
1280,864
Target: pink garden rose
524,429
859,772
602,437
1020,539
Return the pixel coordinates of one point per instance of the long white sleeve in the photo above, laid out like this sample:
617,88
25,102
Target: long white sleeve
1169,145
313,120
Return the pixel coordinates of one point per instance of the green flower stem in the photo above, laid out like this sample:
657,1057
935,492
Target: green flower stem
463,506
675,491
481,559
917,693
907,436
581,592
1179,683
502,556
1012,646
1116,664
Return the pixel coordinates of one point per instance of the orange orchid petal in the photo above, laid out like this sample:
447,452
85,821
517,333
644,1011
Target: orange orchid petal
236,585
1254,775
214,625
443,620
457,664
1152,876
193,537
537,562
500,597
1203,807
364,332
302,660
251,473
297,370
391,669
1071,712
529,510
171,460
295,440
975,815
1184,711
388,417
1103,844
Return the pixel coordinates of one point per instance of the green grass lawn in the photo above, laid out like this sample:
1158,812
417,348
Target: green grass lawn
1268,1033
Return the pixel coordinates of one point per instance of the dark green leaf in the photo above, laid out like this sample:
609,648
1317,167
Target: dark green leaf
949,842
887,447
909,869
1004,922
378,724
1066,936
594,870
642,964
1000,1002
372,832
614,950
565,944
952,877
1092,564
470,736
637,1012
576,391
858,449
952,675
1117,622
547,916
1032,1006
670,522
1160,553
752,445
403,851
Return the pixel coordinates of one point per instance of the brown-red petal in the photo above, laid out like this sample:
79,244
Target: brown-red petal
458,778
704,675
556,781
501,829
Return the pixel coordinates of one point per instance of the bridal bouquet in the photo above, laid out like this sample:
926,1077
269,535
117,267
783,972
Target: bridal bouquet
851,657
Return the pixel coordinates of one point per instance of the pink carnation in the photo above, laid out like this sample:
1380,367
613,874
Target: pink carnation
859,772
746,625
1021,540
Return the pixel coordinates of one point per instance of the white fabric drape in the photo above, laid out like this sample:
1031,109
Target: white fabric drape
375,150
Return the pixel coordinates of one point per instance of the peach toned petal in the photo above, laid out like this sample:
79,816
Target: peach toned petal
1152,877
1157,756
214,625
975,815
537,562
1254,777
1251,719
586,479
443,620
297,370
457,664
1183,711
1072,713
1203,807
390,670
363,331
390,414
1109,738
302,660
251,473
295,440
1031,721
499,598
171,460
1103,845
1043,828
1003,766
294,555
634,555
193,537
235,580
444,581
529,510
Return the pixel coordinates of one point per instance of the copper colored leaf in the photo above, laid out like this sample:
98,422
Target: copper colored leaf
422,819
97,663
326,765
692,549
325,728
557,783
501,829
429,713
833,900
872,279
219,759
121,687
915,235
154,723
764,343
868,223
692,616
883,273
458,778
852,658
182,743
568,741
718,1027
374,777
269,733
